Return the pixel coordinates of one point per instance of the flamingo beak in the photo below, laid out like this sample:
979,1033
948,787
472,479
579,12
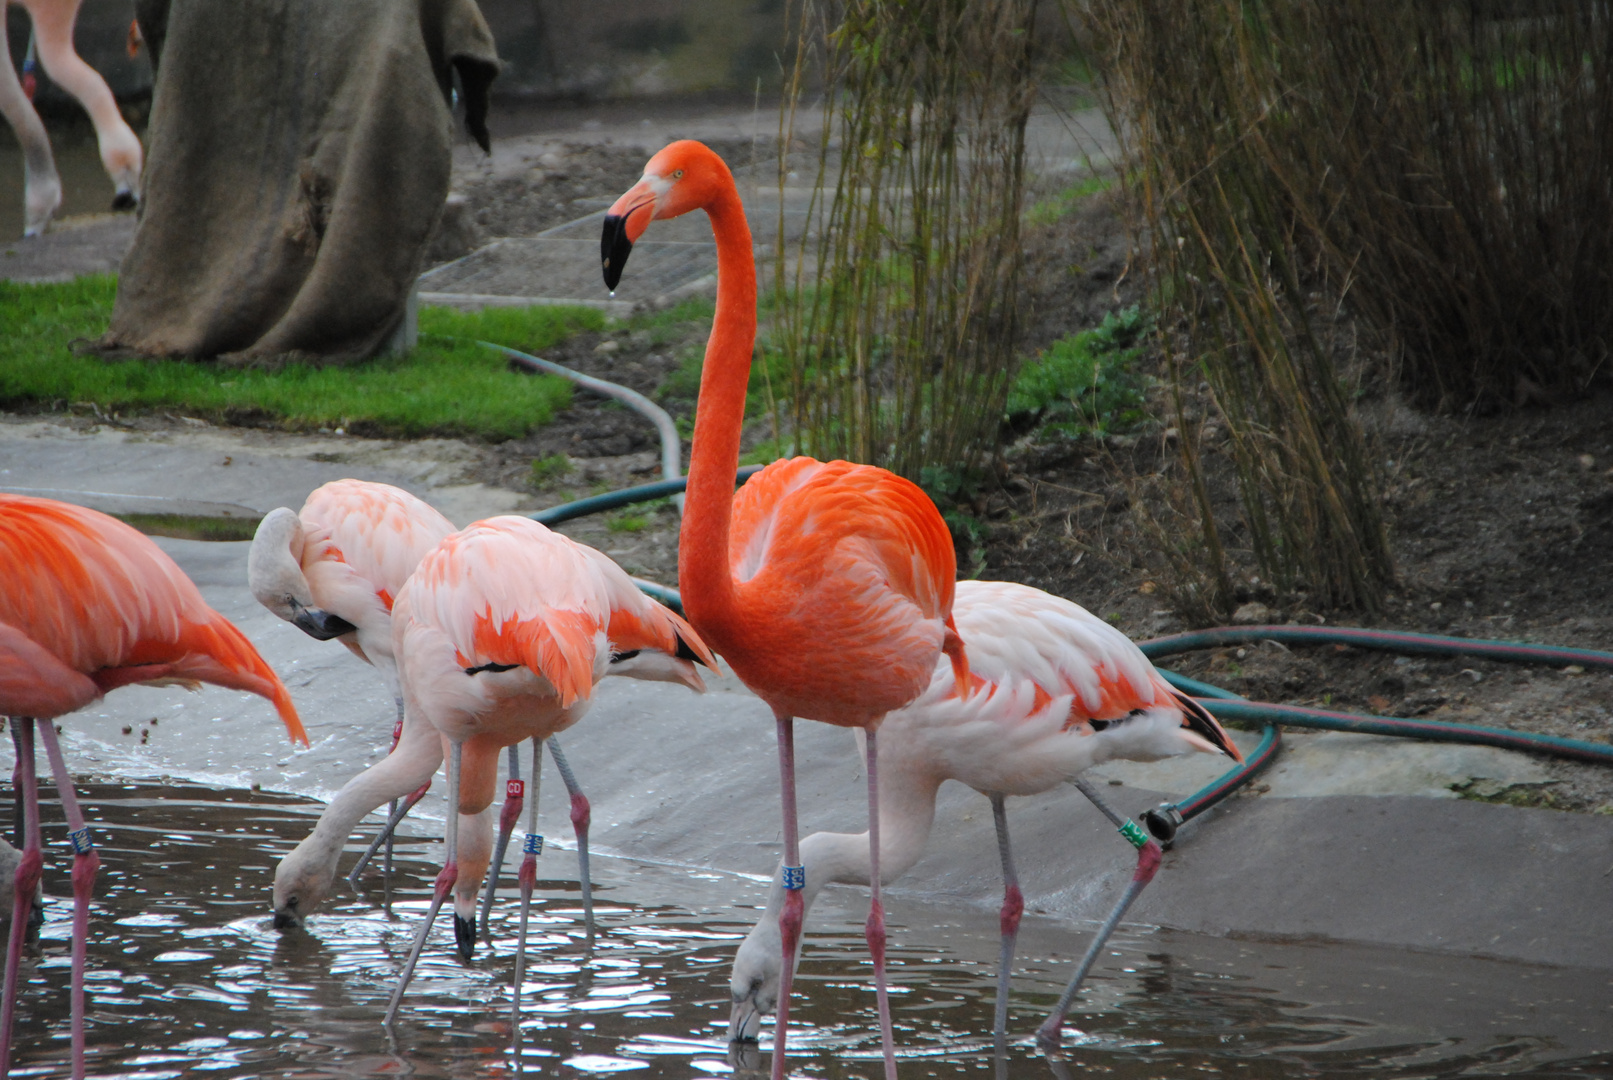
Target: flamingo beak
319,624
625,222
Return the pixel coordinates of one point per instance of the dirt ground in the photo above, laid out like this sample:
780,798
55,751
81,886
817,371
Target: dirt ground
1502,526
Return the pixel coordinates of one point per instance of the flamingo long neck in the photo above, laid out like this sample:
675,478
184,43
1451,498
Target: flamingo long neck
704,576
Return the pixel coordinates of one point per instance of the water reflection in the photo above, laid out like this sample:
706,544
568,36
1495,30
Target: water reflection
188,978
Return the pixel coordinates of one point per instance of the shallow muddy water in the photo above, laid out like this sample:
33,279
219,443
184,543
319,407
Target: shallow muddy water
187,977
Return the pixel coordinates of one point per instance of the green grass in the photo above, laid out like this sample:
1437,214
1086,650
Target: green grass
553,467
440,388
1086,383
189,527
1047,211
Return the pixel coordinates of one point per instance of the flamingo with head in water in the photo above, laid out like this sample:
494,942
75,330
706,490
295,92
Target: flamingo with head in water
90,605
826,585
121,154
1053,691
500,635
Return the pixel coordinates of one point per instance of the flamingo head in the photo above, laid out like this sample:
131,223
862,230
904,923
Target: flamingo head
755,981
686,175
301,882
274,574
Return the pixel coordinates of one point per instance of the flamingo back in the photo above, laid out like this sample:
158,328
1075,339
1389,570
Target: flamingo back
377,532
508,591
99,597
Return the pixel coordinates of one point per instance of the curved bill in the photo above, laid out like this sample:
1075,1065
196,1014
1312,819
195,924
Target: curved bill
614,247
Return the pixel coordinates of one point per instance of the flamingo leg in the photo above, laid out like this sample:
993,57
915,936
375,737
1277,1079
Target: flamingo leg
86,861
392,808
386,832
581,815
1013,908
26,882
1148,857
527,877
514,795
444,885
794,881
875,930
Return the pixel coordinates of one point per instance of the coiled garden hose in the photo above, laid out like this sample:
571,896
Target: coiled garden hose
1164,820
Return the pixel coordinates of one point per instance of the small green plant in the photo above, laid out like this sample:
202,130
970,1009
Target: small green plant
1086,383
953,492
627,522
546,470
1055,207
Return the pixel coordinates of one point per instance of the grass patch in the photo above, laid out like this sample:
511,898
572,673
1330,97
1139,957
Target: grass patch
192,527
441,388
1086,383
1536,796
1056,207
547,469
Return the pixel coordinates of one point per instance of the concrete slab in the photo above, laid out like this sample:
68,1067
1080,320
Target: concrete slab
692,782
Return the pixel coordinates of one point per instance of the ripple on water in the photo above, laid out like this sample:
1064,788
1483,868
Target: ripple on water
183,951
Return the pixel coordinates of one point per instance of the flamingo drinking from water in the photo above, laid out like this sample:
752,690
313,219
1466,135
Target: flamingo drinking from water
89,605
826,585
500,636
332,570
1054,691
120,148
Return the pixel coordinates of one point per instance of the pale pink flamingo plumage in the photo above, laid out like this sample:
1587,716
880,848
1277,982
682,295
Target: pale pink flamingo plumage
826,585
1053,691
500,636
90,605
121,154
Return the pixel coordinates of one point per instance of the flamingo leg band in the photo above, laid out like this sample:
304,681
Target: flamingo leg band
533,845
795,878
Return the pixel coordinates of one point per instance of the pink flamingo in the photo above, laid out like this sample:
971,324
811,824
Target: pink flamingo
501,634
121,154
1054,691
90,605
827,586
332,570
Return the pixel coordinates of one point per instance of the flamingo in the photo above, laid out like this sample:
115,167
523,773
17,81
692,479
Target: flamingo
500,635
332,570
1054,691
121,154
90,605
826,585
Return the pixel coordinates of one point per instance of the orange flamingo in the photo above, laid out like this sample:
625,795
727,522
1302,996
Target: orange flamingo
1054,691
90,605
826,585
500,636
121,154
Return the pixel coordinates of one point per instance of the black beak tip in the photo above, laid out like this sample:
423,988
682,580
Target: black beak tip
285,920
465,938
614,247
321,625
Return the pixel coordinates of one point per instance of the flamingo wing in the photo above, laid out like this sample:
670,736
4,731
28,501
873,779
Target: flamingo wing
839,560
106,602
379,532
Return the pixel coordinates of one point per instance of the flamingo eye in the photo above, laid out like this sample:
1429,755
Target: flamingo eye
677,174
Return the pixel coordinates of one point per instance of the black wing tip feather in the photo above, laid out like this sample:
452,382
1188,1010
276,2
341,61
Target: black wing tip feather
1202,723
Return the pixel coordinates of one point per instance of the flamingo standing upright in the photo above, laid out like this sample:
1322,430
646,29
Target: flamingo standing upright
90,605
826,585
121,154
500,636
1054,691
